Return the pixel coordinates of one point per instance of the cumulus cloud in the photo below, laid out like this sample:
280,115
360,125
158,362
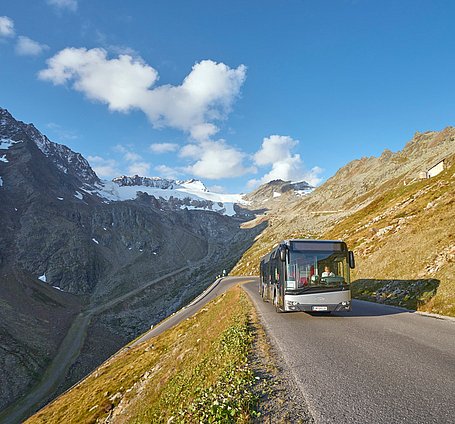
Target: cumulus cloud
159,148
64,4
27,47
167,172
215,160
137,164
6,27
205,96
139,168
120,83
276,151
104,168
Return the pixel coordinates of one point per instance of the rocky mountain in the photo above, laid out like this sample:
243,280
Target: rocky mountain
177,194
74,262
158,182
270,194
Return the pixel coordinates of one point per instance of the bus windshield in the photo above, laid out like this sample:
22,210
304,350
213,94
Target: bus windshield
316,270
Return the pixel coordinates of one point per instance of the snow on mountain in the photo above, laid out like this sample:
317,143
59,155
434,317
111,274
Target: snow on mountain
195,193
6,143
190,194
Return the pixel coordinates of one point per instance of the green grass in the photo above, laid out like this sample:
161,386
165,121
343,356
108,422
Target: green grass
195,372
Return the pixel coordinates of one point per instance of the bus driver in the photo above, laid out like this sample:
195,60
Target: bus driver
327,272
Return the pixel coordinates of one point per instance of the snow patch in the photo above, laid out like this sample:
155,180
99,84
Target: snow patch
3,159
80,196
6,143
95,240
43,278
193,190
276,194
60,198
58,288
303,192
1,182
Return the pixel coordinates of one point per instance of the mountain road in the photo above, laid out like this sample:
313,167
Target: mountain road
376,364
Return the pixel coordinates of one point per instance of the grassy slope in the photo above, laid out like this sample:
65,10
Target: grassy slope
195,372
407,233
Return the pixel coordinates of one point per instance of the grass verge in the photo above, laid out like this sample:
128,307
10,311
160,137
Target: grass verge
195,372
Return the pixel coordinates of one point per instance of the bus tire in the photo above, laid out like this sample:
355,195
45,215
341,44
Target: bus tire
277,308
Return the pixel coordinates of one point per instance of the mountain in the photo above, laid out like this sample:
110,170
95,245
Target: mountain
73,259
399,224
190,194
270,194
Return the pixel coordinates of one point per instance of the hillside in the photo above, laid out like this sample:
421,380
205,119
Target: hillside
65,249
198,371
400,227
404,243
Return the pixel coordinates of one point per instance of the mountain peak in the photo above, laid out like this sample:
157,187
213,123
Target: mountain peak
159,182
65,159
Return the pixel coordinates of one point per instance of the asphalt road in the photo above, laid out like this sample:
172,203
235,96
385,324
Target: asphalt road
217,288
376,364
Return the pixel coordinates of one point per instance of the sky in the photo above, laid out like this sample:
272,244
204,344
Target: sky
235,93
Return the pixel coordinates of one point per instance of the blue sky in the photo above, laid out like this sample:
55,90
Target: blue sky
231,92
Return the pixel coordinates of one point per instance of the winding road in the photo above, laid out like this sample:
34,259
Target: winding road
376,364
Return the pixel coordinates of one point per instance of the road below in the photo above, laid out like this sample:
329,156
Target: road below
66,355
376,364
217,288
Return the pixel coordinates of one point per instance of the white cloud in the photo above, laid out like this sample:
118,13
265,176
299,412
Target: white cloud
6,27
275,148
128,155
64,4
139,168
124,83
163,147
27,47
167,172
215,160
104,168
132,157
276,151
120,83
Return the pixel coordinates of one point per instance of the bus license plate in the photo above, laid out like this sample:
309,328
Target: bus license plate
319,308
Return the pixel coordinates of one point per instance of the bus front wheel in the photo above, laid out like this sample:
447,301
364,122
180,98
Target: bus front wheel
275,302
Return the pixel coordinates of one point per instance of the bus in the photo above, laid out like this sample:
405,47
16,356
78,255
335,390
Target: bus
307,275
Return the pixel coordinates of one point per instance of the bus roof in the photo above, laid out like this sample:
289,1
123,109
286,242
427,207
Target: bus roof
288,242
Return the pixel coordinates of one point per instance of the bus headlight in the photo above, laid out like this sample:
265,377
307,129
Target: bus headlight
292,303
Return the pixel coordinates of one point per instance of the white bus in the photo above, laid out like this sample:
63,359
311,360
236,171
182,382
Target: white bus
307,275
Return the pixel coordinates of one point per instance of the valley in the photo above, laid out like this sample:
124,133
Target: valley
88,265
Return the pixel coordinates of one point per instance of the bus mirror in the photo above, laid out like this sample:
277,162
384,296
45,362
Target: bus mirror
283,254
351,259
